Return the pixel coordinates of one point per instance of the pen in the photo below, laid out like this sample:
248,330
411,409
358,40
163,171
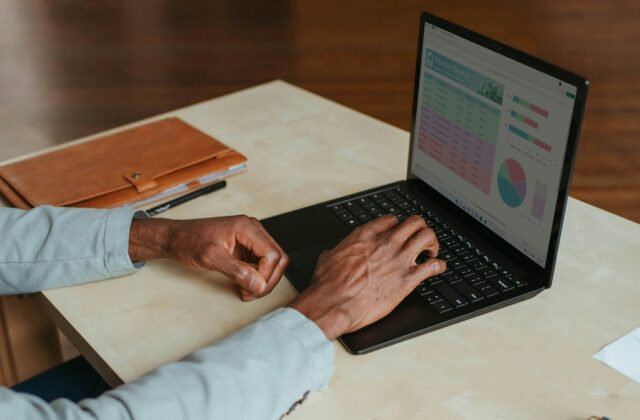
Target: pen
187,197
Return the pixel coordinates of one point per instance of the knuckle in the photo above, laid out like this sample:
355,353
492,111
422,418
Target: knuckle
241,272
272,256
243,218
430,235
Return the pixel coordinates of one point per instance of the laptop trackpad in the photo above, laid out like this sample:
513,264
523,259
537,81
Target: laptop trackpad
303,263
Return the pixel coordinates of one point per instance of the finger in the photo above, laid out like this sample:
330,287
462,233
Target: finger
381,224
431,267
260,245
408,228
281,264
247,296
423,240
241,273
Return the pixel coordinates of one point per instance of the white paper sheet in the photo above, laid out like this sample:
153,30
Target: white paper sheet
623,355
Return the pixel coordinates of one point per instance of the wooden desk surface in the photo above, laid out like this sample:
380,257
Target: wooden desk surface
530,360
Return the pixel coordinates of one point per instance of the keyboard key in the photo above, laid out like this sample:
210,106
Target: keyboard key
464,270
486,272
373,209
468,257
442,306
424,288
351,223
487,289
337,209
459,248
455,263
468,291
474,278
450,242
477,264
486,259
443,235
500,283
518,282
446,256
454,278
365,202
450,294
435,279
432,297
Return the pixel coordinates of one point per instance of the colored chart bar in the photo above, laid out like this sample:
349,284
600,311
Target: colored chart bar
539,199
532,107
528,137
526,120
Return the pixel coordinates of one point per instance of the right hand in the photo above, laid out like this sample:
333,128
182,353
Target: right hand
368,274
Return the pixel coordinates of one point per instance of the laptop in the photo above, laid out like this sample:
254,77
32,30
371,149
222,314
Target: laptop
493,142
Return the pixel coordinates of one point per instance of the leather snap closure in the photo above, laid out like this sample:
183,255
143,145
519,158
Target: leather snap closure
136,175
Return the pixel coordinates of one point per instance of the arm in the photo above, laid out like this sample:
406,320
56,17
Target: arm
263,369
256,373
50,247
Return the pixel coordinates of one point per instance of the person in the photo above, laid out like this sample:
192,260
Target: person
261,371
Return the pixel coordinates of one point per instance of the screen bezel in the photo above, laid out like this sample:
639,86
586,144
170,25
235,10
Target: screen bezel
530,266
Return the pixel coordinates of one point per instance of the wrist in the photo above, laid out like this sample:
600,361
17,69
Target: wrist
331,319
150,239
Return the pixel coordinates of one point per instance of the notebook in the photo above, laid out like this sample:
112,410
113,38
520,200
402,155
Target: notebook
135,167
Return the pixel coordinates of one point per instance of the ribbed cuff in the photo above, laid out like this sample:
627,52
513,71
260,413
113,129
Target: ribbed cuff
116,242
315,343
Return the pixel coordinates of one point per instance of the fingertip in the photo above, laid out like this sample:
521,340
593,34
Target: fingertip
256,285
441,266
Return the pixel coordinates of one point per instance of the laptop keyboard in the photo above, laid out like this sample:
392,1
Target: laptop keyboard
472,276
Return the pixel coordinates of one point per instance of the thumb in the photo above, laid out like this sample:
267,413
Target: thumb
242,273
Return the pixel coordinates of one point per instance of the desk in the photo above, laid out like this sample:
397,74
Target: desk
530,360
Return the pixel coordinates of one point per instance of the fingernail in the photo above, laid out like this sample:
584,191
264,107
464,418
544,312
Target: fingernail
256,285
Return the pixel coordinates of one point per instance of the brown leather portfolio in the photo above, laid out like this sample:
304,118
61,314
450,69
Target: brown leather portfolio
136,167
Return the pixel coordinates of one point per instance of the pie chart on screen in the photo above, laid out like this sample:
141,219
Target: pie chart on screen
512,183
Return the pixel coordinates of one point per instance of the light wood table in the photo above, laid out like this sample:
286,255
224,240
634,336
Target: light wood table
532,360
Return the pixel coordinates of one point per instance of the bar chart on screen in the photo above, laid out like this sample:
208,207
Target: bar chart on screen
539,200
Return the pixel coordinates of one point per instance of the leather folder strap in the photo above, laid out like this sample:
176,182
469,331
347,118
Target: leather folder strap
143,184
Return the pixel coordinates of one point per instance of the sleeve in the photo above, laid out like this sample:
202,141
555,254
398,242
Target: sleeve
259,372
50,247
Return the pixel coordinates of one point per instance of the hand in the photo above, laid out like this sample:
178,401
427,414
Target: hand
368,274
238,246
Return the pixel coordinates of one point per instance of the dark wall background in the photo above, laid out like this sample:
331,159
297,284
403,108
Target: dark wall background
72,68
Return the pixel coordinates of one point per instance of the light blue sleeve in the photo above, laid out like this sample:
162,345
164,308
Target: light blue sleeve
256,373
50,247
259,372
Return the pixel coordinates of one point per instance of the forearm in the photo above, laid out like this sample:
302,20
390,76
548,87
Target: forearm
258,372
50,247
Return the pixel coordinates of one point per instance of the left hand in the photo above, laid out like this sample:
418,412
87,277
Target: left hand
238,246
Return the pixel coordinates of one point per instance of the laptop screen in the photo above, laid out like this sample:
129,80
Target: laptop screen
490,135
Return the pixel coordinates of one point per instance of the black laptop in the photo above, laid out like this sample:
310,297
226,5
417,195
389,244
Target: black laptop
493,143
